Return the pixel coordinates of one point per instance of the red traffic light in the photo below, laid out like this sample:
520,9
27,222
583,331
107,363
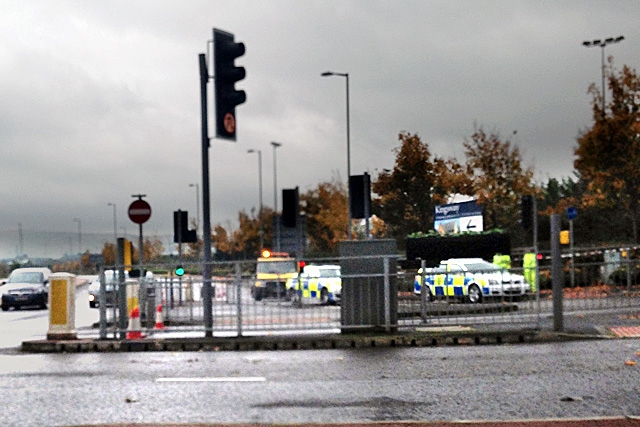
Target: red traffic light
539,257
301,265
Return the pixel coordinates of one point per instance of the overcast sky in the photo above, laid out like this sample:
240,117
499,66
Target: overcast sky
100,99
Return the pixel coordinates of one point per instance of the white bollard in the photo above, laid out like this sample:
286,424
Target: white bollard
62,307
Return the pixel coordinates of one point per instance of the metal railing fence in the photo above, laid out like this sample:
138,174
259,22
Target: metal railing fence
177,302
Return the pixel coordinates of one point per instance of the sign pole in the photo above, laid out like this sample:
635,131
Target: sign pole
573,261
140,212
572,213
207,303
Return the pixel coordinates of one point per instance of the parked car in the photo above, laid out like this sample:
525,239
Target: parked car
471,279
26,287
111,288
320,283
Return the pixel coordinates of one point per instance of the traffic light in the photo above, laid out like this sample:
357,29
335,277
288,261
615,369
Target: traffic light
301,265
179,271
225,51
360,195
290,207
527,212
181,232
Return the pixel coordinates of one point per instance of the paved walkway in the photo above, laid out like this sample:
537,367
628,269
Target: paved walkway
599,422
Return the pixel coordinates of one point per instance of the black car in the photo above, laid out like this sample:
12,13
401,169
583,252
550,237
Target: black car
26,287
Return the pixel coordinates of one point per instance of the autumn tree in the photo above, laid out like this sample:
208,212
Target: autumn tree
243,242
109,254
153,249
407,195
608,154
499,178
325,208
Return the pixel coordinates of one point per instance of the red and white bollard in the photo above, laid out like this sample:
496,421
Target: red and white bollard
134,331
159,318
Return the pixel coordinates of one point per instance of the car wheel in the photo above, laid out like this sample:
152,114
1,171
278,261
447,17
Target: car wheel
324,296
283,293
295,298
5,308
430,296
475,295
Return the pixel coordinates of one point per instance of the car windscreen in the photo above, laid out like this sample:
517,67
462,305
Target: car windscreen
329,272
277,267
481,267
26,277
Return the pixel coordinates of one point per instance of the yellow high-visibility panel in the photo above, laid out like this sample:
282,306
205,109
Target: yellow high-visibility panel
58,302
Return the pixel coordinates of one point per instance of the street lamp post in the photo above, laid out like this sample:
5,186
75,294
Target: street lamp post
115,226
275,194
260,190
197,205
346,76
79,234
602,44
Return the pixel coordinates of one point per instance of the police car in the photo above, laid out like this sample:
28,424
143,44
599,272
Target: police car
320,283
471,279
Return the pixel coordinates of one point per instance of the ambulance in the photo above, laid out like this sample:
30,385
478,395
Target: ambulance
316,283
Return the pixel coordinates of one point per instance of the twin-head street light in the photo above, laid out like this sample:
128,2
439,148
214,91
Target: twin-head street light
275,194
602,44
346,76
260,191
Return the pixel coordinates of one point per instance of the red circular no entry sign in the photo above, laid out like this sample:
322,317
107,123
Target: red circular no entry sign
139,211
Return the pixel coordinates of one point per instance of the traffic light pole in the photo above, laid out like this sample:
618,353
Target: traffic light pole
207,304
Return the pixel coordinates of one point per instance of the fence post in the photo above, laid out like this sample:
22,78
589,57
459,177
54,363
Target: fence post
628,260
238,282
423,295
102,306
556,273
387,292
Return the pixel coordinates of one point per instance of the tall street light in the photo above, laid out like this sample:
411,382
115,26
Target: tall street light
602,44
275,194
115,226
79,234
260,190
346,76
197,205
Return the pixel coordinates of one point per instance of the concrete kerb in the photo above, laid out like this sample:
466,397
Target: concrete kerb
305,342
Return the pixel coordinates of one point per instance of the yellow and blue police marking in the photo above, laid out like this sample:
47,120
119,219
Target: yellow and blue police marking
451,285
311,288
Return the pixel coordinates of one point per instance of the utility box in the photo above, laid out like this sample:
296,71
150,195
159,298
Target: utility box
369,299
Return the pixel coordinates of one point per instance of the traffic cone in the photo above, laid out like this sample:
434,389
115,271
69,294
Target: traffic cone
134,331
159,318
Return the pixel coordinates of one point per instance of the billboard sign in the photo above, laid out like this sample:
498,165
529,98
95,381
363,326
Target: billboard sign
458,218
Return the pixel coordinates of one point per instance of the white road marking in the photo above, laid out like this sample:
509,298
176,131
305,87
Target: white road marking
211,379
